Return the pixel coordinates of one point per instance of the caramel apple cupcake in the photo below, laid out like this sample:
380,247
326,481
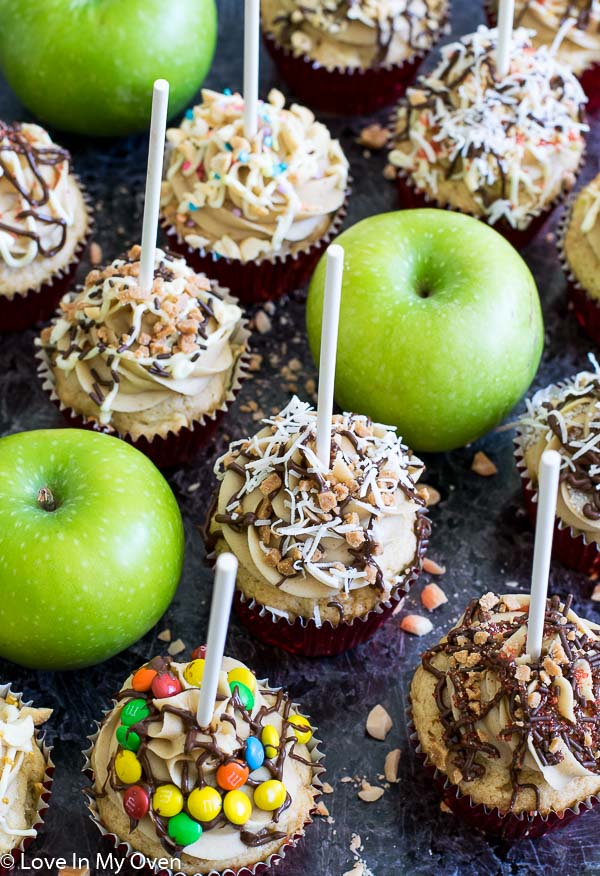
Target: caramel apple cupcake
44,224
513,745
325,556
503,151
26,770
157,368
254,215
351,58
564,417
579,249
232,797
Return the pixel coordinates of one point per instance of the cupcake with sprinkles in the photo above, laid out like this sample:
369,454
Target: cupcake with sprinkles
44,224
326,553
351,57
253,211
566,417
503,149
579,249
158,368
234,796
512,743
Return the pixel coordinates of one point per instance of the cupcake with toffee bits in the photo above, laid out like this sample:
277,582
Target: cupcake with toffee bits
325,555
566,417
579,248
226,798
351,57
256,215
503,151
157,368
25,773
44,224
512,744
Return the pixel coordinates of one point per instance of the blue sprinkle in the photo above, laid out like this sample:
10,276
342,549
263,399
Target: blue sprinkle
243,157
268,141
217,176
216,256
227,91
189,114
192,207
229,147
280,168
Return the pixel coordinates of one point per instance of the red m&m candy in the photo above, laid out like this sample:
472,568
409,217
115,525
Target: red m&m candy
199,653
232,775
165,685
136,802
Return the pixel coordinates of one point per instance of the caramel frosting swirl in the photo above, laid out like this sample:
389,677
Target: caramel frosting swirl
570,27
365,33
312,531
541,719
132,349
243,199
36,203
500,150
581,242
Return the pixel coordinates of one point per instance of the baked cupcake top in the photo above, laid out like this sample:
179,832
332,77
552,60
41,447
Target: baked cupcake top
500,711
572,26
319,533
566,417
130,350
500,150
581,244
244,200
22,769
224,794
365,33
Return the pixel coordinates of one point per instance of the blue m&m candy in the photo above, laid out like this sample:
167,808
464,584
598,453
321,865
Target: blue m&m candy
255,753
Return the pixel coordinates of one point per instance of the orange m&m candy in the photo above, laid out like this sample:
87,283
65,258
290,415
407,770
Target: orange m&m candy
143,678
232,775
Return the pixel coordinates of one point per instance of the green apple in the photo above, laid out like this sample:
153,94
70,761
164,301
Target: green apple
441,330
88,65
91,547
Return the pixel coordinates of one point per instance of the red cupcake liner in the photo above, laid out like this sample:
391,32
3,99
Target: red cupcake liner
507,825
16,854
27,308
267,279
585,308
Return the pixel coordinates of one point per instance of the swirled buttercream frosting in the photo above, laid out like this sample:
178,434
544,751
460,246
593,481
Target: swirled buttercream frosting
129,351
581,241
536,720
245,199
500,149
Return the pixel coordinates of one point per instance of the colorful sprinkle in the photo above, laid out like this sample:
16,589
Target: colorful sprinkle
192,207
227,91
189,114
186,165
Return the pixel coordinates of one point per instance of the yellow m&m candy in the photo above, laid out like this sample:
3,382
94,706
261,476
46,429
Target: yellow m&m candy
194,672
204,804
237,807
302,728
270,795
128,768
244,676
167,801
270,739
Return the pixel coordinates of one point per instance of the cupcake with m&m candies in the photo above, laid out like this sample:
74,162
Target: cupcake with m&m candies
351,58
254,213
511,743
325,553
503,150
45,222
235,796
579,249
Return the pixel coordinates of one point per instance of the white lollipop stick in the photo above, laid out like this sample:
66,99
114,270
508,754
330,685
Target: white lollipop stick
329,336
156,151
544,532
251,40
506,17
220,609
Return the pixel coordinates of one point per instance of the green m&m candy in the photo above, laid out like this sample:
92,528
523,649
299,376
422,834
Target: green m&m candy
128,739
244,693
134,711
183,830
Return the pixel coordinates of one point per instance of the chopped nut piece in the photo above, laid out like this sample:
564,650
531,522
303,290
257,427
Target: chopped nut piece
379,723
554,745
272,556
551,667
390,172
456,777
432,596
433,568
480,637
488,601
271,484
392,762
374,136
322,809
262,322
286,567
326,788
370,793
482,465
416,625
95,253
355,538
176,647
430,495
327,501
534,699
523,673
596,594
165,636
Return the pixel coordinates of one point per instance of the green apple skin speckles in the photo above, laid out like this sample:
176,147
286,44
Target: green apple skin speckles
441,329
82,582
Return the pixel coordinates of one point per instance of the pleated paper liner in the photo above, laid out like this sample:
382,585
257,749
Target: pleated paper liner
495,822
138,860
569,545
35,305
44,799
268,278
585,308
175,448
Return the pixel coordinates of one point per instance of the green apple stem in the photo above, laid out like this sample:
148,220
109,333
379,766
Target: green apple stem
46,500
